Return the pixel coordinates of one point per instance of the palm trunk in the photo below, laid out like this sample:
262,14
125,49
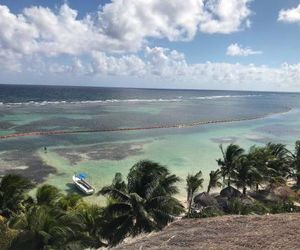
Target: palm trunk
190,206
208,189
229,181
189,200
257,187
244,190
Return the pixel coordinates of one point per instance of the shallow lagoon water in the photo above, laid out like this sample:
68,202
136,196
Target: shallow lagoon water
184,150
101,155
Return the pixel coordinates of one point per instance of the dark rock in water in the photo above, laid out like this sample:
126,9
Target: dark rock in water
205,200
230,192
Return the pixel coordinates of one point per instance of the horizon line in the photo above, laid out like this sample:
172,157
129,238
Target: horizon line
147,88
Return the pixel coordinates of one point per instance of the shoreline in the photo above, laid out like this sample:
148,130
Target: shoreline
184,125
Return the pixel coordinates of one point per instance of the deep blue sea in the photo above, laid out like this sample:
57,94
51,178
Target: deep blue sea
24,94
125,107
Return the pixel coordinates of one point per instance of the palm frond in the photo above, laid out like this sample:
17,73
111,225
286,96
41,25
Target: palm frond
114,193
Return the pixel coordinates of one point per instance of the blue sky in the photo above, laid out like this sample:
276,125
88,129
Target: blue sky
203,44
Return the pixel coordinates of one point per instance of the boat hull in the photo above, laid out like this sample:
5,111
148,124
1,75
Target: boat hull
83,185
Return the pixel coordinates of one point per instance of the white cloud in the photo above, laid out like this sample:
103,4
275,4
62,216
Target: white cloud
112,65
237,50
164,67
76,67
290,15
106,43
120,26
10,61
225,16
164,62
135,20
170,67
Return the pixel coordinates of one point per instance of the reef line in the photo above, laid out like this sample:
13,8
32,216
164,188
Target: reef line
186,125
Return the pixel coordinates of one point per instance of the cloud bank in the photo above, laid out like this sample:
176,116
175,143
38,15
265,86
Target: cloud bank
116,41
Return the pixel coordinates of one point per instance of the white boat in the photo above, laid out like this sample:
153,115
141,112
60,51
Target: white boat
82,184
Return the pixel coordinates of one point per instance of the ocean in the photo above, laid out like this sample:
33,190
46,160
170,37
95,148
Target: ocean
190,146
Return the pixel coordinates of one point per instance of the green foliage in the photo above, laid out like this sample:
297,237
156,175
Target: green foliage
214,180
144,205
70,202
236,206
245,174
13,189
193,183
283,207
295,164
229,160
207,212
6,234
56,221
44,227
47,195
259,208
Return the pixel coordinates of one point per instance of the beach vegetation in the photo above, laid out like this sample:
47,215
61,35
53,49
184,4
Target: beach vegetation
13,194
193,183
262,180
144,204
229,161
214,180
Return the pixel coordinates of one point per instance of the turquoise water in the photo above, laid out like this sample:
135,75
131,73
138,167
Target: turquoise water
182,150
101,155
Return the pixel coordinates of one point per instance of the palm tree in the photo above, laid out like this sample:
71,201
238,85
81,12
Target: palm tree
92,217
144,205
245,174
42,227
214,177
280,164
260,158
193,183
229,161
295,163
48,195
70,202
13,189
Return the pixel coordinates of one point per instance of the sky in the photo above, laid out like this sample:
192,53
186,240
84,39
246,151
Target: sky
199,44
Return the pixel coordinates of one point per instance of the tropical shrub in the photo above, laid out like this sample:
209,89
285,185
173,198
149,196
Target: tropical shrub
207,212
236,206
144,204
6,234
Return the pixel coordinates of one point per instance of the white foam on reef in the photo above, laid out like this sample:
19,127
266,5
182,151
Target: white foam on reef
179,99
89,102
220,97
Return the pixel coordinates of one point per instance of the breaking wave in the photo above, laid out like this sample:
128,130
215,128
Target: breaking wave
177,99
